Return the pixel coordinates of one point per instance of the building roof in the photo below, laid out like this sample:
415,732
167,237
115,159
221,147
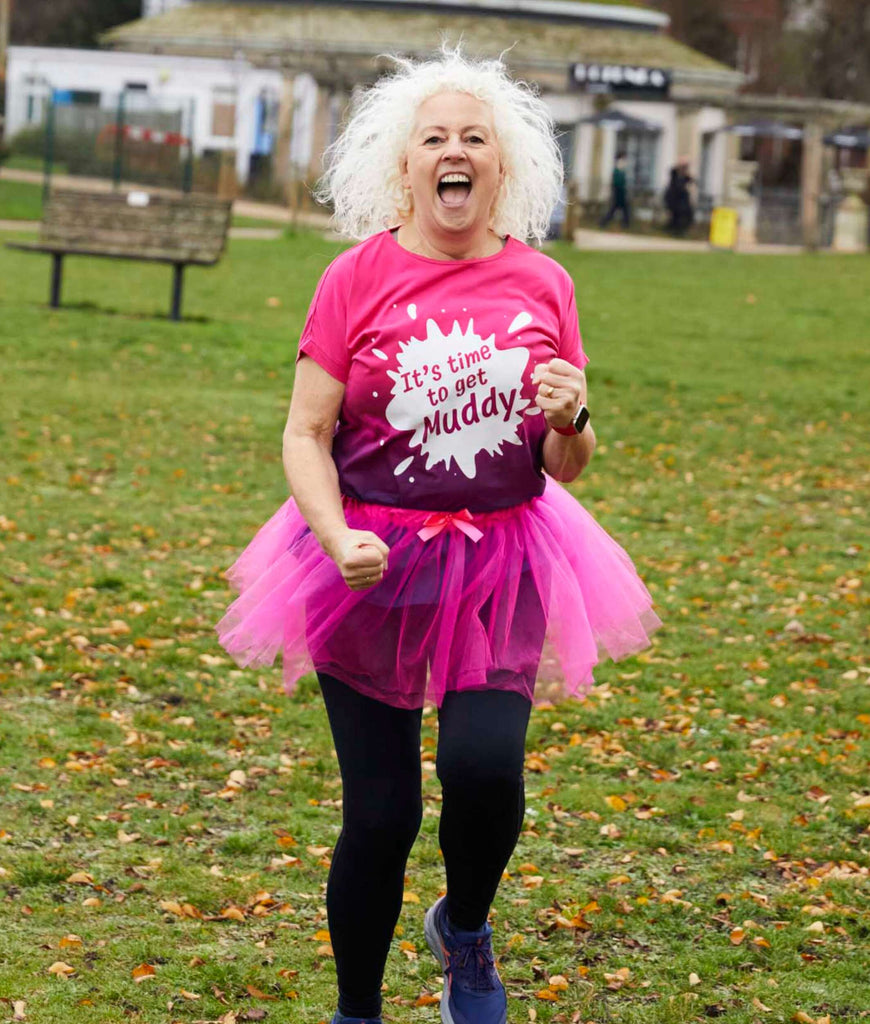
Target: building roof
628,12
301,34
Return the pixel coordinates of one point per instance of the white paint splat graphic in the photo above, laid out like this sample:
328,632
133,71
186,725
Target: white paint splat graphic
403,465
459,394
380,354
520,321
412,311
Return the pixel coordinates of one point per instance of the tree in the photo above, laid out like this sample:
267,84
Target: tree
702,25
72,23
839,51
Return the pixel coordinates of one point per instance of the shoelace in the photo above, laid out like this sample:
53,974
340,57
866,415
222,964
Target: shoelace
478,961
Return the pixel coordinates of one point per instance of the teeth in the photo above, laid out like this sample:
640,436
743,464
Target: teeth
455,179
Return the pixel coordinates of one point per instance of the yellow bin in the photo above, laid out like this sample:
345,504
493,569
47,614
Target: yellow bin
723,227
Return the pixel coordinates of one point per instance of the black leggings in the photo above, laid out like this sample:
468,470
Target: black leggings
479,762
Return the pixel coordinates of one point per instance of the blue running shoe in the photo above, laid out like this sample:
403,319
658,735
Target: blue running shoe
473,992
338,1019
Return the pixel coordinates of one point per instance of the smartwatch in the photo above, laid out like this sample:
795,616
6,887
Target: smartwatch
581,418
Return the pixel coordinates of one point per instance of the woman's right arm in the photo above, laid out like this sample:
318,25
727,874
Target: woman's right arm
360,555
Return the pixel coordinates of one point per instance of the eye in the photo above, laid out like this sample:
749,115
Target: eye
475,138
431,138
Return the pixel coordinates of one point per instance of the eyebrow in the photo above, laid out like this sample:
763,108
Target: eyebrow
441,128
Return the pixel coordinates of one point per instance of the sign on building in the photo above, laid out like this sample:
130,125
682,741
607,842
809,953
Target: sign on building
619,78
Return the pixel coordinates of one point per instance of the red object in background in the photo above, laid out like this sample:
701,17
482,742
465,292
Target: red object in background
134,133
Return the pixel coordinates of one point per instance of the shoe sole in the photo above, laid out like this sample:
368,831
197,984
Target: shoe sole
433,941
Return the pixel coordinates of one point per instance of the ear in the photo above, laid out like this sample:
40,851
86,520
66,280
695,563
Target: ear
403,171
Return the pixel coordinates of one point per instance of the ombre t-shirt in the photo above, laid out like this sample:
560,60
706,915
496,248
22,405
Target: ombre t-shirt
437,357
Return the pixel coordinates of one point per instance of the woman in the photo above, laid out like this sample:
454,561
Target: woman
425,556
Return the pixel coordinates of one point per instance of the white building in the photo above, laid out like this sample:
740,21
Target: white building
277,77
223,103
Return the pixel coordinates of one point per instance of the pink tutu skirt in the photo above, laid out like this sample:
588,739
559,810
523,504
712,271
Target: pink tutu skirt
527,599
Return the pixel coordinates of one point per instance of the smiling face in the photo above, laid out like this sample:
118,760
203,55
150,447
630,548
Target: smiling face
453,166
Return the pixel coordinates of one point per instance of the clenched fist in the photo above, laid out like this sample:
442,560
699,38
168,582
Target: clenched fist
561,390
361,557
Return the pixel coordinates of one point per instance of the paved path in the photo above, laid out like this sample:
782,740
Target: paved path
19,225
619,241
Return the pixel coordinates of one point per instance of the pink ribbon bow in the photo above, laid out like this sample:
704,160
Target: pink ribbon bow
439,521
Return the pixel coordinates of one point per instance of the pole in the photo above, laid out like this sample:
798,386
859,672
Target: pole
119,142
5,20
187,183
811,184
49,149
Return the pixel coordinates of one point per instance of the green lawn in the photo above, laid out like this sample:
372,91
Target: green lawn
19,200
697,840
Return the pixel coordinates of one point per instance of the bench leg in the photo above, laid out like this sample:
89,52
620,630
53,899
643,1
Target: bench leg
177,275
56,278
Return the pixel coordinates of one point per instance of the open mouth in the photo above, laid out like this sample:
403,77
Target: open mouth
454,190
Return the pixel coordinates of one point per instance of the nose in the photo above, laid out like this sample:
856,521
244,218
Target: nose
454,147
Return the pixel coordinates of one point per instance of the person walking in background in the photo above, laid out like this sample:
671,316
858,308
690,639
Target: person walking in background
618,194
678,200
428,553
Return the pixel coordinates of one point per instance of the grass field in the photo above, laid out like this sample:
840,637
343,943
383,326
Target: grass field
697,840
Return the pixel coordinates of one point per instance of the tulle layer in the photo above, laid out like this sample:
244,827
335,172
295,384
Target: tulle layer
530,603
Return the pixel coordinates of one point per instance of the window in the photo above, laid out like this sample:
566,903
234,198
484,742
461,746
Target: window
84,98
36,94
223,112
641,151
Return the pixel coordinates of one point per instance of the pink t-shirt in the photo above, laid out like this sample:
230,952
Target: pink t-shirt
436,357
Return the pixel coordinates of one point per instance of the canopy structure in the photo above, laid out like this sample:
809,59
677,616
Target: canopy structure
849,138
765,129
621,122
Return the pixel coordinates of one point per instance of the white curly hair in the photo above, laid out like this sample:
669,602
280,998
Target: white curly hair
363,180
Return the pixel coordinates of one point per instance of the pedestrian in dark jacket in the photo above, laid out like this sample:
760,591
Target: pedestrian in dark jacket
618,194
678,200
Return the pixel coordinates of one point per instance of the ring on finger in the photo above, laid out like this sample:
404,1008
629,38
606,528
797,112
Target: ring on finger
550,390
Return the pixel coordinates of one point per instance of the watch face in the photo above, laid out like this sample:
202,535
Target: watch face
581,419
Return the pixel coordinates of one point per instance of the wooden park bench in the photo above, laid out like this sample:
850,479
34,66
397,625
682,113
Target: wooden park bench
180,229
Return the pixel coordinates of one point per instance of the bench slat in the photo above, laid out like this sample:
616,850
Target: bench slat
171,227
133,242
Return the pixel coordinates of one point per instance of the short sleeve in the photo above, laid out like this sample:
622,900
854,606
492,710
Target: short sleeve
324,336
570,342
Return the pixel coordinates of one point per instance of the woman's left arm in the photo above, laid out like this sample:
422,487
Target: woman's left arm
561,391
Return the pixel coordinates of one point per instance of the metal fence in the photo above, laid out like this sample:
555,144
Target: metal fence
125,136
780,217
